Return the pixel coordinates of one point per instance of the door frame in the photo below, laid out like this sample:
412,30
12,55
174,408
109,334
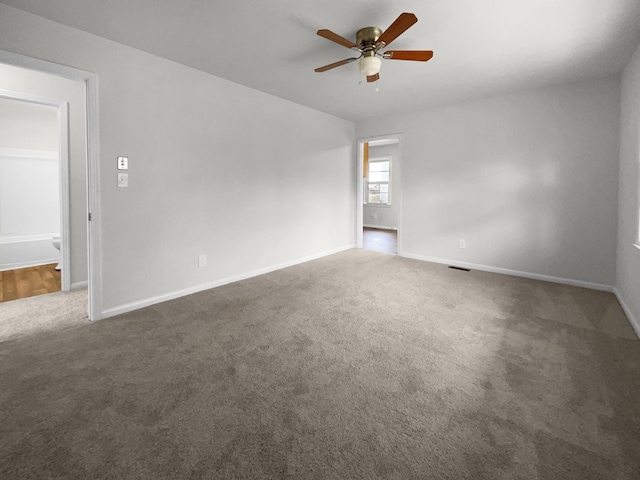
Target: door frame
397,189
90,80
62,109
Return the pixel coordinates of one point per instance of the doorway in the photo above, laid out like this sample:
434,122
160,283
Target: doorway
83,178
379,194
34,196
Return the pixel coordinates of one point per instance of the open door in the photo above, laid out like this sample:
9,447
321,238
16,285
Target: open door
90,81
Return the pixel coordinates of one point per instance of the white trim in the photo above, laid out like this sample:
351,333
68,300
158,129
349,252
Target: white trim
632,319
93,174
359,192
35,237
384,141
26,152
34,263
94,227
65,198
381,227
218,283
515,273
79,285
62,113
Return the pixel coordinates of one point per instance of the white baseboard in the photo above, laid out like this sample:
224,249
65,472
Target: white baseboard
14,266
129,307
79,285
515,273
380,227
632,319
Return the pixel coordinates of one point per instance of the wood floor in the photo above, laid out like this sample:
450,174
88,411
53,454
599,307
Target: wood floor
28,282
385,241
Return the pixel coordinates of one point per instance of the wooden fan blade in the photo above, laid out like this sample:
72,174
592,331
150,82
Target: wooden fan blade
334,37
334,65
373,78
397,28
415,55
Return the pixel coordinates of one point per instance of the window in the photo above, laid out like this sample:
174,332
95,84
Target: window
379,181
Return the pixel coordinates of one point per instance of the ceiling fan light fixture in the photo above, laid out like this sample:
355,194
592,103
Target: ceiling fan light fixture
370,65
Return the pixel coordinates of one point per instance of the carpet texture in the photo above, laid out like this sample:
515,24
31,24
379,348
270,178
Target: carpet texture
356,365
41,313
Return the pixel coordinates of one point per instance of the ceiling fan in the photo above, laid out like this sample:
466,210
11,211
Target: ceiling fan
370,40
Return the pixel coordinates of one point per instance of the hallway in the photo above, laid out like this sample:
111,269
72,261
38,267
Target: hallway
378,240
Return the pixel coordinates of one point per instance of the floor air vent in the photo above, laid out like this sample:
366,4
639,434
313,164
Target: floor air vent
459,268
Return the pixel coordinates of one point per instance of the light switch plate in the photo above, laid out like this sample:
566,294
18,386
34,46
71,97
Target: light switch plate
123,163
123,180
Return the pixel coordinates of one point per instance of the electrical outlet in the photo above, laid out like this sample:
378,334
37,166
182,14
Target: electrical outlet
202,260
462,243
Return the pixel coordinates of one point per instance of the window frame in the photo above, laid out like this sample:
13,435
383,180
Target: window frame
384,158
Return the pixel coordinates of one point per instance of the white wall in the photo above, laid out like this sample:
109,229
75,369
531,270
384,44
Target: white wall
628,271
50,86
27,125
29,207
529,180
249,179
29,193
386,215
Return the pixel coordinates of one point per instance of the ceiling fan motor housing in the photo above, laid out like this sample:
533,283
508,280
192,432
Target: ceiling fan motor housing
366,39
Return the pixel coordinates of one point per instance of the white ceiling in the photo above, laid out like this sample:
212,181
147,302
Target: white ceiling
481,48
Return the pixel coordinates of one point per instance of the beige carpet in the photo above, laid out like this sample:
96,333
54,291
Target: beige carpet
51,311
357,365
